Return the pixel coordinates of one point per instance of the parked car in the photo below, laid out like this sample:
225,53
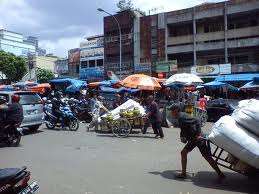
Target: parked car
32,108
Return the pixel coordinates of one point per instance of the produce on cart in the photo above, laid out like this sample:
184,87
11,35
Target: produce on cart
122,119
239,136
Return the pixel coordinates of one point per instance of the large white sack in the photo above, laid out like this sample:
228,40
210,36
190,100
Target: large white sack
227,134
248,116
244,103
128,105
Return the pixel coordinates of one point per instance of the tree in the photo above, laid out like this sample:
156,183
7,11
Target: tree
12,66
125,5
44,75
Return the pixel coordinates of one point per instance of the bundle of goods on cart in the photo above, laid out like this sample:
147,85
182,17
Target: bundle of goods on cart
129,108
238,134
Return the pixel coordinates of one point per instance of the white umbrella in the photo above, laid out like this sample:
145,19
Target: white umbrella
183,78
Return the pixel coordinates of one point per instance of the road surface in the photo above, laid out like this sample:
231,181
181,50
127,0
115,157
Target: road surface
81,162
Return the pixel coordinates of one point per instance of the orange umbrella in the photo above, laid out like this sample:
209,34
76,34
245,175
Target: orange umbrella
141,81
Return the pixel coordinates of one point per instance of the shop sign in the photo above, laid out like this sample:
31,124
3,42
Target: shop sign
166,66
212,69
144,68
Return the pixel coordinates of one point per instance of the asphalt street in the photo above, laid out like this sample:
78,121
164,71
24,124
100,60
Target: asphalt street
65,162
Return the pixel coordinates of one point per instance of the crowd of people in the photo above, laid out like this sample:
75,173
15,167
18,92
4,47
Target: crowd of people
190,126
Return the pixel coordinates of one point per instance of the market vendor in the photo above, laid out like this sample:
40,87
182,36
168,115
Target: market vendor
154,117
191,135
118,101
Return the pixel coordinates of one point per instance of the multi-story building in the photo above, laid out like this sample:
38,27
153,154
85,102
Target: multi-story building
34,40
73,62
91,58
61,67
205,37
16,43
45,62
208,39
130,28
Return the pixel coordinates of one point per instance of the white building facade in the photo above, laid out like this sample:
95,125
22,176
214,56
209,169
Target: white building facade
15,43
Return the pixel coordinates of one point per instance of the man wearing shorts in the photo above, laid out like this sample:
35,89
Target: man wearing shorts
192,136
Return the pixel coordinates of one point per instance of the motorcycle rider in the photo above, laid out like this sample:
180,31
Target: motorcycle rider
56,104
14,111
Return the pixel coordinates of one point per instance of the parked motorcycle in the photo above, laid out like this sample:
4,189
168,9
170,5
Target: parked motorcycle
68,120
81,110
16,181
10,134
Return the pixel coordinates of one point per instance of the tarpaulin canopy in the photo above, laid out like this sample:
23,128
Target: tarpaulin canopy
252,85
218,84
40,88
141,81
63,81
237,77
6,88
76,86
25,84
117,90
110,90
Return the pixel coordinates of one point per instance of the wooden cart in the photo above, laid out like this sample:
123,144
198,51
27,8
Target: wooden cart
226,160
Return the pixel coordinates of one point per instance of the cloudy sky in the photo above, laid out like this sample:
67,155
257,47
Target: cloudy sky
61,24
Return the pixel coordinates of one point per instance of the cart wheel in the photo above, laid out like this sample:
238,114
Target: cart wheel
122,128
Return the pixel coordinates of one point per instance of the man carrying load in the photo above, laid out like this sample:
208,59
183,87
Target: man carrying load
191,135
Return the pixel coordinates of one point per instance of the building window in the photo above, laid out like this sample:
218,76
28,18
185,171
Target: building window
100,62
84,64
92,63
77,68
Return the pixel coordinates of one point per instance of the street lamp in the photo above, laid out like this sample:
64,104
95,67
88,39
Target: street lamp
101,10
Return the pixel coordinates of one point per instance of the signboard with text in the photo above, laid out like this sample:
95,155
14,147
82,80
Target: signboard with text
212,69
144,68
166,66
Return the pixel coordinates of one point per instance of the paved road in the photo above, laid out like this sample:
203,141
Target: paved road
65,162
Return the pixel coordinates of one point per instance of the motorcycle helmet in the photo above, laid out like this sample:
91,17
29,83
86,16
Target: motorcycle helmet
15,98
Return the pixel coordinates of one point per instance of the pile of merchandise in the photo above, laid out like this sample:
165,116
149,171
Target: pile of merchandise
238,134
128,109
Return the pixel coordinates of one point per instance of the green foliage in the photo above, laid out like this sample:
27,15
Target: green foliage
12,66
43,75
125,5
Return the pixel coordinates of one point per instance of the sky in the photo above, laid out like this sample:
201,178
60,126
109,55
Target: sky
61,25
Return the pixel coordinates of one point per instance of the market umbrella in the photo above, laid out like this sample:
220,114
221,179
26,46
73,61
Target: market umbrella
183,78
141,81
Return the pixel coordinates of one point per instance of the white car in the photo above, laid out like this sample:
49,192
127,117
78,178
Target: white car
32,108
